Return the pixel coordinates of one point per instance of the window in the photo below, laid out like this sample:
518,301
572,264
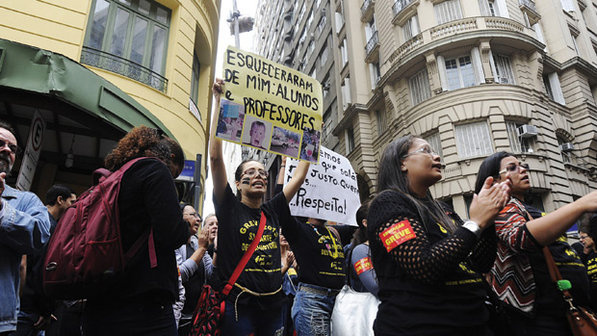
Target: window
303,36
380,116
346,98
518,144
473,139
574,35
419,87
435,143
548,89
489,8
553,87
344,52
370,29
301,13
566,154
567,5
323,55
410,28
195,79
349,140
129,37
459,72
375,74
320,25
447,11
503,69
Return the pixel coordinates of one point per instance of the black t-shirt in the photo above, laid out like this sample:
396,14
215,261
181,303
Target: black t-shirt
591,263
428,279
237,227
318,253
548,299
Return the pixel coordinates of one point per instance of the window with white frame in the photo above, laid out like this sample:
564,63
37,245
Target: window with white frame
489,8
553,87
344,52
517,143
349,140
323,55
503,69
447,11
574,34
459,72
410,28
567,5
473,139
303,36
320,25
566,155
346,98
435,143
419,87
301,13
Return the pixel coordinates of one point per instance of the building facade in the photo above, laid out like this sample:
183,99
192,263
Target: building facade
472,78
151,61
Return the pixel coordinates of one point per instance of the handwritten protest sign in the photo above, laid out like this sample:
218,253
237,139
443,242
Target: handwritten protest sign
330,190
270,107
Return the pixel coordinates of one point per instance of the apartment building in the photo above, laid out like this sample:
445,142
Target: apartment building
94,69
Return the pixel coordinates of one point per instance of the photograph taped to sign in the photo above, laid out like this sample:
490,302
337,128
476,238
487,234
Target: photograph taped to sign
330,190
288,104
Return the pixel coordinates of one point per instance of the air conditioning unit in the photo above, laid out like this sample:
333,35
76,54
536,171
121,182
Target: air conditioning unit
526,131
567,147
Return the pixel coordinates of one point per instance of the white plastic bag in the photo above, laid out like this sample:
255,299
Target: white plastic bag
354,313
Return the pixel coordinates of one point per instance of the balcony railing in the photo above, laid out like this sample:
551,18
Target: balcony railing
122,66
367,10
400,5
372,44
456,27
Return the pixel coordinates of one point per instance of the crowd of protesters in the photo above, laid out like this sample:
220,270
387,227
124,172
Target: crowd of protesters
432,272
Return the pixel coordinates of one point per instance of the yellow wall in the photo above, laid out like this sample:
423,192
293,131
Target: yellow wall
60,25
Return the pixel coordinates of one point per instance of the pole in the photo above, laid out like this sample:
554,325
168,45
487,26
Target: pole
235,16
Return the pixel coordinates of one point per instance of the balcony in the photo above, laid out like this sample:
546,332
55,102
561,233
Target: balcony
122,66
528,7
403,9
372,48
367,10
467,28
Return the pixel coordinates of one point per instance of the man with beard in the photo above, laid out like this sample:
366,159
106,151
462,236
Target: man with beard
24,229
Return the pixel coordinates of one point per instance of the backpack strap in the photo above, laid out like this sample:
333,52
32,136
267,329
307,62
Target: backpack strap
245,259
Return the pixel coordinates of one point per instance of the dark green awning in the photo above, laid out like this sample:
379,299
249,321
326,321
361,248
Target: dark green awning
31,73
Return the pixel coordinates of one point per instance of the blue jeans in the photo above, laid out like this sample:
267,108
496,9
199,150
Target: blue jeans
251,321
312,310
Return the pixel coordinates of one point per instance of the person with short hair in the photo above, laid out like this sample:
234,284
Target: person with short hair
141,301
195,266
211,223
24,229
257,134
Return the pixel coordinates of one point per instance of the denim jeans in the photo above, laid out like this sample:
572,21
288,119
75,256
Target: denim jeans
251,321
312,311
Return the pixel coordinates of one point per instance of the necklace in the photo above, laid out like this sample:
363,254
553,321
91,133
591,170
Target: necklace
334,254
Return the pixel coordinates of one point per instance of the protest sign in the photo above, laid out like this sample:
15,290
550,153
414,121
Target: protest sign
330,190
270,106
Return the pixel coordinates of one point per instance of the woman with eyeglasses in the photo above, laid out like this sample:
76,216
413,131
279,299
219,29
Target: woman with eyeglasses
428,263
254,305
519,277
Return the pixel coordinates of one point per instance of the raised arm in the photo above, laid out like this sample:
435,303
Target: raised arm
217,166
298,177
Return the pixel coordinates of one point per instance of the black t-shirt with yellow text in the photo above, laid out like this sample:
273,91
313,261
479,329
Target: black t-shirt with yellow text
318,253
237,228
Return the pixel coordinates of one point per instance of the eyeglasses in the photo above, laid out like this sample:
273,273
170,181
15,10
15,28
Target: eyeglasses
12,147
252,171
423,150
514,167
194,214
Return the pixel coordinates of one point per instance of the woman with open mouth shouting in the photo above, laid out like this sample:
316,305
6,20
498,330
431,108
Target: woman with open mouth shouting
254,306
531,302
428,262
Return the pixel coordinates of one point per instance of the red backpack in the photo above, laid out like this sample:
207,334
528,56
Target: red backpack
84,257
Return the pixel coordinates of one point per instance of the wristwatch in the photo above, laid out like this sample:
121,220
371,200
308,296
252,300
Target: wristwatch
473,227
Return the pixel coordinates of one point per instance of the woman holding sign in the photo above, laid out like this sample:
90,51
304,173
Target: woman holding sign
254,304
429,265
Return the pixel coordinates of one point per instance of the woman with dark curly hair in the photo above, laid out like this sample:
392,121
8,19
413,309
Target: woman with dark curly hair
141,301
428,264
